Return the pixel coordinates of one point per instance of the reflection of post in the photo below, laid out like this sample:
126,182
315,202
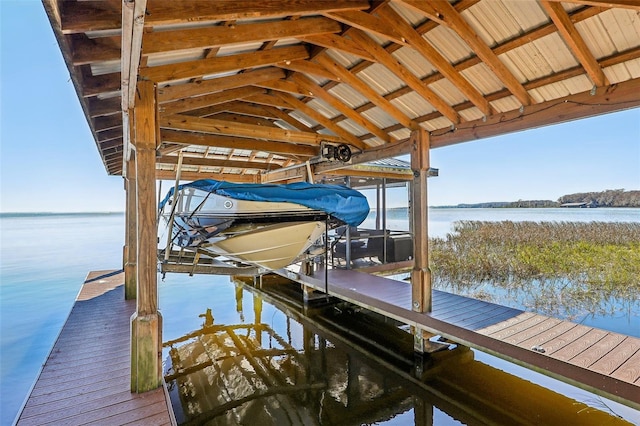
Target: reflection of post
422,412
208,318
257,315
420,275
353,381
239,301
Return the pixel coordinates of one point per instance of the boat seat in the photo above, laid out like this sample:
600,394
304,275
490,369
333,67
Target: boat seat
364,244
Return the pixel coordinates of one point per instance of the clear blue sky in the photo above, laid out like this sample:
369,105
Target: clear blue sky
49,161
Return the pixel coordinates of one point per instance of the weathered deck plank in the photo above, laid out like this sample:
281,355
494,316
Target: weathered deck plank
603,362
86,378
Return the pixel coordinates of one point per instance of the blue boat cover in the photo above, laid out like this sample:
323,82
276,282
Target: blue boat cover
343,203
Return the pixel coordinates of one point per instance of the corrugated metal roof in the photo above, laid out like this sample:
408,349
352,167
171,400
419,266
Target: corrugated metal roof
515,58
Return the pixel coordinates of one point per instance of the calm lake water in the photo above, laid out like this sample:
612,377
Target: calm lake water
45,258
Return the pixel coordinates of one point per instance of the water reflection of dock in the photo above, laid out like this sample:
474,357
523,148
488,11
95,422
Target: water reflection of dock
599,361
251,373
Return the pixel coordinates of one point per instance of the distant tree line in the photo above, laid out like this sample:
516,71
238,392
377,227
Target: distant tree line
608,198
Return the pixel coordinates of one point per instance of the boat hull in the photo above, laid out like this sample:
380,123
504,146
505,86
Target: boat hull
272,246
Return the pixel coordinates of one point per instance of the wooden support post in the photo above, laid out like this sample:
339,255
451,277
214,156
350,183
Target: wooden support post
146,322
421,274
131,237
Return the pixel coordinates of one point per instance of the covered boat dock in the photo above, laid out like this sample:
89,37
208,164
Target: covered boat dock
268,91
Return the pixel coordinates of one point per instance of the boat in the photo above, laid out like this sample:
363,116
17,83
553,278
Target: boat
265,225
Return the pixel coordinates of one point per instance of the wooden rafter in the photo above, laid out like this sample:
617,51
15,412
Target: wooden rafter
286,86
284,116
441,11
364,89
318,91
625,4
332,41
307,67
534,34
575,42
417,42
369,23
344,136
404,74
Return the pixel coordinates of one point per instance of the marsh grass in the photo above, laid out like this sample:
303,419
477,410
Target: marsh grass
563,269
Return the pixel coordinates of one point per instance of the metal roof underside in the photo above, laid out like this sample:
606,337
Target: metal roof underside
249,90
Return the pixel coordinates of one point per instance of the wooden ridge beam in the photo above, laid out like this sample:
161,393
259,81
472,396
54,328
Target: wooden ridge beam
203,67
229,177
211,99
213,162
162,12
105,15
218,36
246,119
220,141
226,128
204,87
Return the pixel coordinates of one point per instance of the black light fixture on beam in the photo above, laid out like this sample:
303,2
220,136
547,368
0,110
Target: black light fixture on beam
340,152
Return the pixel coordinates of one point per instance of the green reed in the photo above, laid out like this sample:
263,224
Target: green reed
564,265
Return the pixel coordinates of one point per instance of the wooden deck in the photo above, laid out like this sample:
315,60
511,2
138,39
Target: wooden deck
599,361
86,378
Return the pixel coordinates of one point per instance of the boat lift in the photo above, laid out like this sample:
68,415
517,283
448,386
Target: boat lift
373,247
